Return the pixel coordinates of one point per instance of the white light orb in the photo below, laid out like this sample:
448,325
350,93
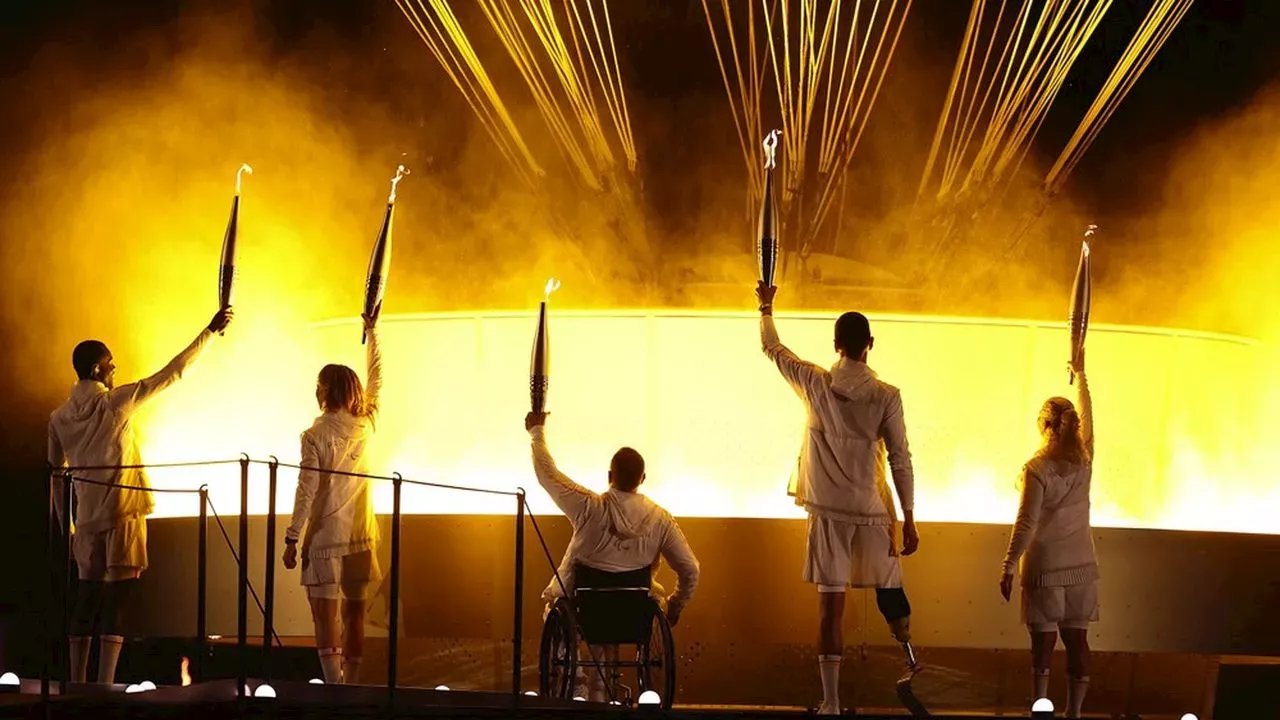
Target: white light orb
1190,716
442,688
147,685
615,702
265,691
649,697
530,693
133,689
580,699
316,681
9,679
1042,705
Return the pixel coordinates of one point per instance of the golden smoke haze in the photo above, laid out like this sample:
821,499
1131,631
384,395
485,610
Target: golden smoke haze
116,228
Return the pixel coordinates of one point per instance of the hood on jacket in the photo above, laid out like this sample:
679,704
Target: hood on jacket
851,379
84,395
630,514
341,423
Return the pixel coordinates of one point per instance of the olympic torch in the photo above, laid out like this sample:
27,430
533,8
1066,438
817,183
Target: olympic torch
227,269
1081,296
767,229
375,285
540,363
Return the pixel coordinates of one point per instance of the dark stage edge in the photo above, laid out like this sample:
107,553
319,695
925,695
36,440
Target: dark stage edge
217,699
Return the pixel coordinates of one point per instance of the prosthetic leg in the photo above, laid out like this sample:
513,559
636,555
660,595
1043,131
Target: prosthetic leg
85,616
116,597
893,605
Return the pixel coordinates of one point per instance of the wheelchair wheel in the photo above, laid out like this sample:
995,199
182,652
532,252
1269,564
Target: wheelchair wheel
658,660
558,653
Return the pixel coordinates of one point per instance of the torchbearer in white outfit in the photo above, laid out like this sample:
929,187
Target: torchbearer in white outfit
94,428
618,531
339,549
1052,540
854,420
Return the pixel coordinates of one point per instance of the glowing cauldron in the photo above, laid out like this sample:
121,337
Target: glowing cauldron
1180,444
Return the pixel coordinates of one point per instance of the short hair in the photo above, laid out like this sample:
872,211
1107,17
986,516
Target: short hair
628,469
86,355
853,333
340,389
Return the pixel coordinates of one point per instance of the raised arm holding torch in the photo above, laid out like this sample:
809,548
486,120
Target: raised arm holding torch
227,270
1081,296
375,286
540,363
767,230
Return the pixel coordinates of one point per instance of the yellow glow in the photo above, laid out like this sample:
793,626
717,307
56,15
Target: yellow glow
719,428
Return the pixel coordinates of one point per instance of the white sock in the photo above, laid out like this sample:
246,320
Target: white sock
829,667
1042,685
78,647
331,665
350,669
1075,696
109,647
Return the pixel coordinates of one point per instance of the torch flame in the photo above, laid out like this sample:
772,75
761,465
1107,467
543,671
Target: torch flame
186,675
244,168
401,171
770,147
552,286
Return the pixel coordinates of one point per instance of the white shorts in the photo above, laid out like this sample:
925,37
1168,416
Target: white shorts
1047,609
122,548
842,554
348,576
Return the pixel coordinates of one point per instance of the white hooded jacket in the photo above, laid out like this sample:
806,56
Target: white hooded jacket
337,510
1052,538
854,420
94,428
614,532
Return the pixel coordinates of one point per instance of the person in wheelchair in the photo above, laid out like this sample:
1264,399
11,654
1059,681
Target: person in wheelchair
618,532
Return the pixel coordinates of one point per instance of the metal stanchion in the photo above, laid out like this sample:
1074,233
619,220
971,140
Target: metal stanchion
242,630
68,568
202,585
393,626
269,571
46,668
517,634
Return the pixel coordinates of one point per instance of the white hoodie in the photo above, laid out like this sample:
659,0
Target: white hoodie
337,510
94,428
614,532
853,418
1053,535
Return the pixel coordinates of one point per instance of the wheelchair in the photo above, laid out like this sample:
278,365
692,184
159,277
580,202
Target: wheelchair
608,609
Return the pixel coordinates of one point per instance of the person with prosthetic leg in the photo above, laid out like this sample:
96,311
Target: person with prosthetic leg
94,428
854,421
1052,543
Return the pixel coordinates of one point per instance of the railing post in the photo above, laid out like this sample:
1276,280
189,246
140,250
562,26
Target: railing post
242,619
269,571
517,634
202,585
46,668
68,512
393,625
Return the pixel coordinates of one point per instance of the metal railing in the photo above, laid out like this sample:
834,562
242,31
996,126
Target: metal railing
266,605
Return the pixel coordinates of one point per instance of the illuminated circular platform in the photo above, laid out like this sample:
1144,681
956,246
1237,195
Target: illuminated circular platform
1180,434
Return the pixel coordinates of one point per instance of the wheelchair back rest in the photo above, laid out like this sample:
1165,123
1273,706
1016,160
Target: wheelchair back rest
613,608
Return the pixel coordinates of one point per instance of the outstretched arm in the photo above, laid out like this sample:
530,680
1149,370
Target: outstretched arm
1085,405
126,397
799,374
1024,528
373,357
678,554
570,497
308,485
